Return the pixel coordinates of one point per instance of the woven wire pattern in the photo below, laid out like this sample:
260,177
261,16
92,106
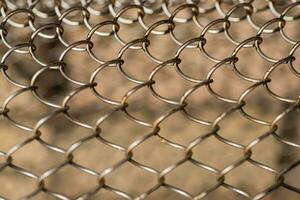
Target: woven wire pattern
49,21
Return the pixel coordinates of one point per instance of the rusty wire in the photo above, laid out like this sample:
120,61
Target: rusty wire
61,10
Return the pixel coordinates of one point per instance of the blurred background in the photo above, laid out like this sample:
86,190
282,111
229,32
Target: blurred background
86,108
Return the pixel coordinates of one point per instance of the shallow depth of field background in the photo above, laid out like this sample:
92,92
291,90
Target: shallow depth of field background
87,108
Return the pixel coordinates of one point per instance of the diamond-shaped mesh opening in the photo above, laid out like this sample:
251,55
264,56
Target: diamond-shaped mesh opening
12,180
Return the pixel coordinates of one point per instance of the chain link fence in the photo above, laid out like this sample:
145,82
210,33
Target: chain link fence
149,99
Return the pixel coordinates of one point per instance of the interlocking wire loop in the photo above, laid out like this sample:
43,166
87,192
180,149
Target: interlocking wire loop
54,22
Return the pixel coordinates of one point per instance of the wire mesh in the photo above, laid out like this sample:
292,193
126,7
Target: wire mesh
56,51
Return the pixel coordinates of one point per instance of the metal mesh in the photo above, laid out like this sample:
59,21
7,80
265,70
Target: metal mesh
56,51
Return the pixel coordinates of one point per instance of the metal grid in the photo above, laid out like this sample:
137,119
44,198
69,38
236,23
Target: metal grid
47,21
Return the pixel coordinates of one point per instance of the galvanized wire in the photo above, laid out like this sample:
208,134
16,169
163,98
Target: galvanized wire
60,13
